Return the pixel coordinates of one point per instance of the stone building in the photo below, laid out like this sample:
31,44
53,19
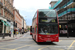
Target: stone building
6,16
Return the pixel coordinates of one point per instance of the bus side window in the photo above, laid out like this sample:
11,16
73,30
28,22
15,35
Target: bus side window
33,30
36,30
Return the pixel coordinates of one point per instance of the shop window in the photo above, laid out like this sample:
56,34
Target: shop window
63,26
69,26
73,25
1,25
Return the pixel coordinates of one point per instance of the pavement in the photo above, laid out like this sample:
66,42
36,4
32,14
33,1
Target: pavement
65,38
7,38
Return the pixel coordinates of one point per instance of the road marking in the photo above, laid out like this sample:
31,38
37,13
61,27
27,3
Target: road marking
23,46
60,40
5,48
43,47
18,47
48,46
71,45
7,45
39,46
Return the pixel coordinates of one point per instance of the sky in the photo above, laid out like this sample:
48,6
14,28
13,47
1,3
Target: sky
27,8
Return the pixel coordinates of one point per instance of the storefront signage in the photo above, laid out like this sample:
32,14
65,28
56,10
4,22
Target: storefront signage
59,26
63,31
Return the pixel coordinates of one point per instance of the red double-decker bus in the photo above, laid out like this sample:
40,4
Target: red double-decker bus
45,26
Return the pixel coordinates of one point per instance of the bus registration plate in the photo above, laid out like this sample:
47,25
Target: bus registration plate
48,41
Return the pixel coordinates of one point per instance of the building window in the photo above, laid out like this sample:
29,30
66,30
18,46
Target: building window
69,17
73,16
16,24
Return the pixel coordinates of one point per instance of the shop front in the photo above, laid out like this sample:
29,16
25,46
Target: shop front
71,28
63,30
15,31
3,26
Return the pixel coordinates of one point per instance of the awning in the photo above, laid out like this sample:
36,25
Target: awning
15,30
4,23
8,24
20,28
1,18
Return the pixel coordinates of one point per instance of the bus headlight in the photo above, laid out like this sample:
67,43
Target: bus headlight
56,36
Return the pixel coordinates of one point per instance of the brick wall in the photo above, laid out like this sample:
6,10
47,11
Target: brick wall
18,19
8,13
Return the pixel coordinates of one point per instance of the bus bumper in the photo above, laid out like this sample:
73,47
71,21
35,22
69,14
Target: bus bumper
48,39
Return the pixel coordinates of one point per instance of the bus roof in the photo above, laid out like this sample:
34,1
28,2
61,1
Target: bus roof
46,10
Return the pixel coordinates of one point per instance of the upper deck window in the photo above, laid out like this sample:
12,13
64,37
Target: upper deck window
47,13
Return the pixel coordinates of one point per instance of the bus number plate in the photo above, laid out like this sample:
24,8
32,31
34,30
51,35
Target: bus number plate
48,41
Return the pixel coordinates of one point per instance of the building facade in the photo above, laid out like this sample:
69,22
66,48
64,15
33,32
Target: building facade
52,3
25,29
18,21
66,14
6,17
25,24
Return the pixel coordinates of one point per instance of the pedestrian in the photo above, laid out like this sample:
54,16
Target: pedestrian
9,33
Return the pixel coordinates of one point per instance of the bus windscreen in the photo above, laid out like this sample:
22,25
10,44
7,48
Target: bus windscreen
48,29
47,13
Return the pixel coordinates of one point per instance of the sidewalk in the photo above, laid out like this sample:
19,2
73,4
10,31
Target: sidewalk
7,38
65,38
